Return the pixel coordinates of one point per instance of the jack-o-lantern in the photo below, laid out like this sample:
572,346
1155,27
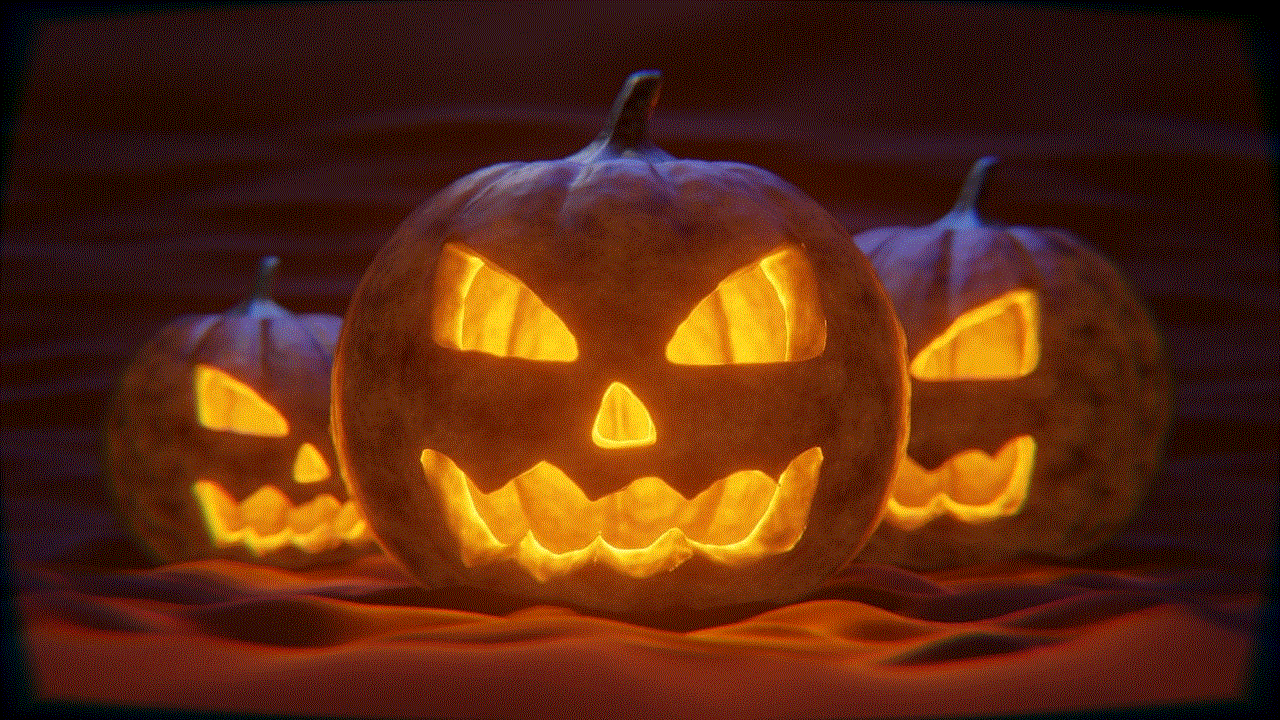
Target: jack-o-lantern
218,442
1040,391
621,381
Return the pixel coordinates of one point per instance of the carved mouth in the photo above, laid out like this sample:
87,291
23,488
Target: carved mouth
545,523
266,521
971,486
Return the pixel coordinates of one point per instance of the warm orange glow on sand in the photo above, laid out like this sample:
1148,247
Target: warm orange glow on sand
481,307
545,522
266,521
971,486
225,403
999,340
622,421
768,311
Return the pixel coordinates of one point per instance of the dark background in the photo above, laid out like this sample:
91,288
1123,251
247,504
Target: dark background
155,153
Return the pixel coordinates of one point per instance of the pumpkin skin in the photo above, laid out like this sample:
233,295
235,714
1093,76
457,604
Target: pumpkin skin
217,442
618,245
1040,392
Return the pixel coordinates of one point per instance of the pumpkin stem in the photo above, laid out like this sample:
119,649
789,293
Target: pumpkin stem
265,277
965,212
626,133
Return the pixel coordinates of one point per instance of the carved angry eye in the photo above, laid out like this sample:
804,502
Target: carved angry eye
998,340
765,312
225,403
479,306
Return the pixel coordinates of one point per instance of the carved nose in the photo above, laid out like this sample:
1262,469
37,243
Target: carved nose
622,420
309,466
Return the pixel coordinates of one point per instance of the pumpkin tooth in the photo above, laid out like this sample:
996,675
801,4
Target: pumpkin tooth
221,511
317,539
666,553
639,514
349,524
972,486
318,512
266,510
730,513
558,512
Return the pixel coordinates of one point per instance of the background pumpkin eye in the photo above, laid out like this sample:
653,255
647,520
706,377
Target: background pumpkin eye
765,312
481,307
999,340
225,403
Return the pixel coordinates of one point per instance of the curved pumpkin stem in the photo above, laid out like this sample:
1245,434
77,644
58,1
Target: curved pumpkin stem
626,133
264,279
259,299
965,212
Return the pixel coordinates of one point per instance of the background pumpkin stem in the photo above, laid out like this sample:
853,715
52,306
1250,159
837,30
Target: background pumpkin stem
265,277
965,211
626,133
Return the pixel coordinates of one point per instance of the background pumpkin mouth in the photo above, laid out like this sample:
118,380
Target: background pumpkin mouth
543,520
266,521
971,486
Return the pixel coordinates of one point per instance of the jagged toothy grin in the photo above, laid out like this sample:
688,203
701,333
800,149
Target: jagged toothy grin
266,520
543,521
971,486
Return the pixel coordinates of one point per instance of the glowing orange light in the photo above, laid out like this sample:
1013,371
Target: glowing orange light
309,466
768,311
481,307
225,403
546,523
999,340
622,420
266,521
971,486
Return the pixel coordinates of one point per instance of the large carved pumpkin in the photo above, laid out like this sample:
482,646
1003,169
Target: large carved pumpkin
1040,392
218,442
621,381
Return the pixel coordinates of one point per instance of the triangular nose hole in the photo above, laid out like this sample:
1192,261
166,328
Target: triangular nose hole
309,466
622,421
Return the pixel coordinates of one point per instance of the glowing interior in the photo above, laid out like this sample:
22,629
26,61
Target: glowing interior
768,311
266,521
971,486
622,421
999,340
309,466
225,403
543,521
481,307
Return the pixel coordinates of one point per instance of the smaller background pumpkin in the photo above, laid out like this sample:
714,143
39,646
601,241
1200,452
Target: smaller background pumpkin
217,442
1040,391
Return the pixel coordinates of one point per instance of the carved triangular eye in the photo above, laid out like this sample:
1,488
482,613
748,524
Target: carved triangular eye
998,340
766,312
481,307
225,403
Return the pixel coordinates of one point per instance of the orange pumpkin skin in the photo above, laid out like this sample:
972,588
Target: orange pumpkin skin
1095,406
170,462
620,242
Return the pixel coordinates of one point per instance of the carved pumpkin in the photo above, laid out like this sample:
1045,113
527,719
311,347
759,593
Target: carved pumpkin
621,381
218,442
1040,392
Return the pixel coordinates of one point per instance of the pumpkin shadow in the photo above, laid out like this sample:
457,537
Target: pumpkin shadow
491,602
